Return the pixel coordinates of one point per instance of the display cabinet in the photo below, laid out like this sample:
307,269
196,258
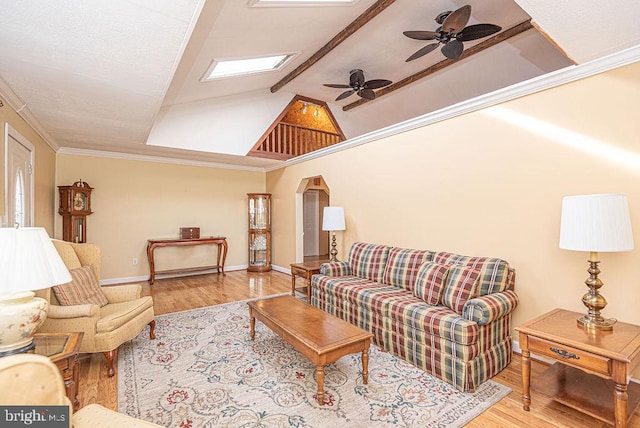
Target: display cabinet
259,232
75,206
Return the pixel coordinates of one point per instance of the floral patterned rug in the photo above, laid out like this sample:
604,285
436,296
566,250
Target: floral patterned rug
203,370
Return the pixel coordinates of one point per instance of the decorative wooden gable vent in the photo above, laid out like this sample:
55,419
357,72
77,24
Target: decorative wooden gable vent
304,126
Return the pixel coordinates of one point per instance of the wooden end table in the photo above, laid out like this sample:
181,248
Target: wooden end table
62,349
589,365
318,335
305,270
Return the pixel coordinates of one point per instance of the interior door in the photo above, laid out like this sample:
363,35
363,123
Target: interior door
19,167
311,222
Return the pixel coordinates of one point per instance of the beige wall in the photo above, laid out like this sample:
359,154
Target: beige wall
134,201
44,170
477,185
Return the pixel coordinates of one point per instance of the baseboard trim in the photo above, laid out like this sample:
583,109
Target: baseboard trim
145,278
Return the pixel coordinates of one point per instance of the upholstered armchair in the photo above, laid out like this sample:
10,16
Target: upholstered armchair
106,326
33,380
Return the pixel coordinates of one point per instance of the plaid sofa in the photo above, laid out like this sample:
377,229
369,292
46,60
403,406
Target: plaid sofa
445,313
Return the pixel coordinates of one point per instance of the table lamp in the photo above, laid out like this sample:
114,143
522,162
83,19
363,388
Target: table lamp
28,261
332,220
595,223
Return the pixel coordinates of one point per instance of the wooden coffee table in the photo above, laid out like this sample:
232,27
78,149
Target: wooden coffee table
320,336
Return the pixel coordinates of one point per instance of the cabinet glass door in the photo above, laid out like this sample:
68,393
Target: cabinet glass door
259,232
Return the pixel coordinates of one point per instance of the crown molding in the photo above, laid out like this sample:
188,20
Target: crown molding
23,111
157,159
518,90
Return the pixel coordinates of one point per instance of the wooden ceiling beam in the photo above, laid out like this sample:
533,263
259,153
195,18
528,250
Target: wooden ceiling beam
358,23
494,40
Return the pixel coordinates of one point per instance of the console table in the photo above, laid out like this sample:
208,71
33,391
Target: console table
152,244
591,370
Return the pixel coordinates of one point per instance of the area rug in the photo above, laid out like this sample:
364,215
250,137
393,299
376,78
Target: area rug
203,370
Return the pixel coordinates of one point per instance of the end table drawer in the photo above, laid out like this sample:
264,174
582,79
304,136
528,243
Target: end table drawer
570,356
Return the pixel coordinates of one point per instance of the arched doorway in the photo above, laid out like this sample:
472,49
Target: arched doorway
312,243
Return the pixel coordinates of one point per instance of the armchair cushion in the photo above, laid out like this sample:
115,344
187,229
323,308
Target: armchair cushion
82,289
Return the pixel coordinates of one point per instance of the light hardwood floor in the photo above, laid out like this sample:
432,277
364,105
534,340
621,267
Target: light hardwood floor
172,295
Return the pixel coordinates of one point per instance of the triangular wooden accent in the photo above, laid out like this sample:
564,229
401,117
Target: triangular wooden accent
305,125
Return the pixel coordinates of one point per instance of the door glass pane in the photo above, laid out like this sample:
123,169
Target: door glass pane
19,199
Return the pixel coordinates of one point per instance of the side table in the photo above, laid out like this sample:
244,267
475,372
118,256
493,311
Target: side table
305,270
589,365
62,349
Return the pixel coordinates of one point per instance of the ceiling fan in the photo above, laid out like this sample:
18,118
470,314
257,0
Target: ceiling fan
451,33
357,85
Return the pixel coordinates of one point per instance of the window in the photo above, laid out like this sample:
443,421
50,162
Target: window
221,69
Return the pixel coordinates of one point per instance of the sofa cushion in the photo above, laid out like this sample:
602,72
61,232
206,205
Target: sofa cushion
403,265
82,289
436,320
430,282
494,273
462,285
368,260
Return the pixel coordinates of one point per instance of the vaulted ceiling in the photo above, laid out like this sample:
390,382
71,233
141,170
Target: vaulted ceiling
124,77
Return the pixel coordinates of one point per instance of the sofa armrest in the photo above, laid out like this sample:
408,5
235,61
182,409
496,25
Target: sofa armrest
486,309
335,269
73,311
122,293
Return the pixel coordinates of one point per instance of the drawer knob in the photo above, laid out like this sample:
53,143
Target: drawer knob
564,354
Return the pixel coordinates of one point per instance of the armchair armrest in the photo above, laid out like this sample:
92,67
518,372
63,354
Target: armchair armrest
486,309
122,293
335,269
73,311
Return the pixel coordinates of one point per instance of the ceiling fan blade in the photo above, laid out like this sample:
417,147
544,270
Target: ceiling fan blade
336,85
367,94
421,52
345,94
455,22
376,83
477,31
422,35
453,49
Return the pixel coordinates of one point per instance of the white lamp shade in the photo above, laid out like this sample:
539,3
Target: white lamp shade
29,261
596,223
333,218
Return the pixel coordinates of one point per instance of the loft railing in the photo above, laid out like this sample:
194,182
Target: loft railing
287,141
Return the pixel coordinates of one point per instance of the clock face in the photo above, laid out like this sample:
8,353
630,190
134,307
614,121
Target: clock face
80,202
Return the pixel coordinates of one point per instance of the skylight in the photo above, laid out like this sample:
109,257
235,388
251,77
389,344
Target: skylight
263,3
221,69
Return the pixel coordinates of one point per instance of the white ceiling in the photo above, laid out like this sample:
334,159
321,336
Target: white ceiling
124,76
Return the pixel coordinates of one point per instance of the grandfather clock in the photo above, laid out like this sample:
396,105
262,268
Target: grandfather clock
75,206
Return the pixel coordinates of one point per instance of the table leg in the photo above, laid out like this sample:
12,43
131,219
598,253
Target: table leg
309,287
365,364
620,400
320,381
152,266
252,323
224,257
526,379
293,284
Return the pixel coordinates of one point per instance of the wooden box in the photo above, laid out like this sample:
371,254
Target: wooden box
189,232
